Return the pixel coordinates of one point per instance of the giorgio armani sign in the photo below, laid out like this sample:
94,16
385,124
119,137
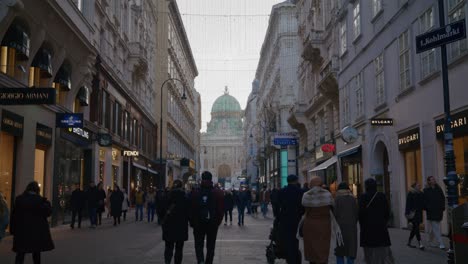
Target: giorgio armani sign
27,96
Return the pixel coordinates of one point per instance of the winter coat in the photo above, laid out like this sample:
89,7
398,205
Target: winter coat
347,215
125,202
415,202
291,211
139,198
78,199
150,198
176,216
242,198
373,219
228,202
101,198
216,203
116,199
264,196
434,203
4,219
29,226
92,197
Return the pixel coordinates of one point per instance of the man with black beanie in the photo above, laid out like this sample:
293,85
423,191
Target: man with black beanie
206,214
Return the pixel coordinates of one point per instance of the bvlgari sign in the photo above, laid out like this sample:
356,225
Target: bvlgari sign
27,96
409,139
459,125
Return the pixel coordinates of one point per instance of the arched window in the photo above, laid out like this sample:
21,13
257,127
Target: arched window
14,51
62,83
41,67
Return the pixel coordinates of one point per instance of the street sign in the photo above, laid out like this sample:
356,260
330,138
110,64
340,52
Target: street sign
443,35
285,139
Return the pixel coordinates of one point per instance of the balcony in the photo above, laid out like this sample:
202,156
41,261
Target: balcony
138,57
328,84
311,52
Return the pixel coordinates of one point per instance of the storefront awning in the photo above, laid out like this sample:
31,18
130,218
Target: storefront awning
152,171
326,164
139,166
350,151
83,96
43,61
17,38
63,78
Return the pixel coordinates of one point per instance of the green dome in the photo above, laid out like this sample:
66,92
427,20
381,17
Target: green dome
226,103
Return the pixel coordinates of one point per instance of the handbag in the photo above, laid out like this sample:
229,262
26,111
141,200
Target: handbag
410,215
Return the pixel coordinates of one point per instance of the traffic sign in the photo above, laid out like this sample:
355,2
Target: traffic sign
285,141
443,35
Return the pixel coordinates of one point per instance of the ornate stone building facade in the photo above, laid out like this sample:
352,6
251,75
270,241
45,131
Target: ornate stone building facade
221,145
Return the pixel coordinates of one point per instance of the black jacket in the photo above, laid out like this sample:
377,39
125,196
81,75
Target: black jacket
228,202
373,219
176,216
415,202
92,197
101,199
291,210
78,199
116,200
434,203
29,226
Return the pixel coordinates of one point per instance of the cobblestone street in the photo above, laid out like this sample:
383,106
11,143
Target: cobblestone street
140,242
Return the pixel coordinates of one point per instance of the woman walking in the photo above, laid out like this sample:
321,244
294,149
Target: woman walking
374,214
4,216
101,196
29,226
175,223
125,204
116,199
347,215
413,212
228,206
255,203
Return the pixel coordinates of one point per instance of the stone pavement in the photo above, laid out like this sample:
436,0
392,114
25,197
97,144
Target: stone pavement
140,242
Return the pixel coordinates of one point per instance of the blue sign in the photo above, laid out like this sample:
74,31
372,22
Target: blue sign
441,36
285,141
67,120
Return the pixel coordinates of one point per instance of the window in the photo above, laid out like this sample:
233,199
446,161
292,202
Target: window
376,7
346,112
405,80
107,111
359,94
380,79
456,11
428,59
343,40
357,20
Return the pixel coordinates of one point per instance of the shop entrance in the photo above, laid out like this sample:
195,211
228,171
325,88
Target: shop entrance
7,157
381,173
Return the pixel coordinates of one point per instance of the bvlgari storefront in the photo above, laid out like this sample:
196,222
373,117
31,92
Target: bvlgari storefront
73,164
409,147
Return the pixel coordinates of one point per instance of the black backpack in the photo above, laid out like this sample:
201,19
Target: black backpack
206,212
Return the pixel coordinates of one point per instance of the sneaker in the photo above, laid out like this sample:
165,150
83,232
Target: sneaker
421,246
442,246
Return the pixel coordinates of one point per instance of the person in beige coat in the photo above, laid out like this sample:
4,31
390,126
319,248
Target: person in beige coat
317,227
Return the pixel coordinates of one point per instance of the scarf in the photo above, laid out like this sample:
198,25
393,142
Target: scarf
317,197
344,193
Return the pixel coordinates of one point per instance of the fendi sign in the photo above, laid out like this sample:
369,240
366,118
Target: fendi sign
130,153
409,139
459,125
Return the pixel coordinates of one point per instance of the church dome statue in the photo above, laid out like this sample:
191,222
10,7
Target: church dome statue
226,104
226,116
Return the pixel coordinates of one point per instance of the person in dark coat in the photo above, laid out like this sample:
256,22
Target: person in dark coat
413,211
434,204
206,214
77,202
374,214
101,198
116,199
228,206
29,226
93,203
242,201
290,213
274,198
175,223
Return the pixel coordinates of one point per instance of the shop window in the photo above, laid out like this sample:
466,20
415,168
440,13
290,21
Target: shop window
7,155
39,168
77,106
460,146
14,51
41,68
413,169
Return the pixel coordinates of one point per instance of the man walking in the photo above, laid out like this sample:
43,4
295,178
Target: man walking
77,203
206,214
290,213
139,203
93,202
242,200
434,203
264,200
150,204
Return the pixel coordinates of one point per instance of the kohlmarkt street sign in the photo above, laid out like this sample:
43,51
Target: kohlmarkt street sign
285,139
438,37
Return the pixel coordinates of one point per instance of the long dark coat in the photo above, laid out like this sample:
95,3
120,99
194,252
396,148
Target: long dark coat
78,199
347,215
92,197
101,199
373,219
228,202
434,203
291,211
176,216
116,200
415,202
29,226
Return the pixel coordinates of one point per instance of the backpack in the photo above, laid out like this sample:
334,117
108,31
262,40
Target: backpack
206,212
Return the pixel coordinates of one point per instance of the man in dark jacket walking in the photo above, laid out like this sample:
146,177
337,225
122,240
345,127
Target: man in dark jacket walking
242,201
434,203
206,214
274,198
228,206
93,203
290,213
77,203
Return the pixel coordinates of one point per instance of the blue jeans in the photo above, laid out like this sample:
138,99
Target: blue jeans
93,216
341,260
139,208
264,208
241,210
150,211
249,207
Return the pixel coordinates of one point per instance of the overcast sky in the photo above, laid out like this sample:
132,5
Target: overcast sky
226,37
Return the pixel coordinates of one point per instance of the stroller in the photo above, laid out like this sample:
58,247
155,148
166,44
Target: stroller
276,250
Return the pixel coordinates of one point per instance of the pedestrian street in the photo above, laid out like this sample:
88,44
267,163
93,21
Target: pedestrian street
140,242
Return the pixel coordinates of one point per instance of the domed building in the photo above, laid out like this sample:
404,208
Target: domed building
221,145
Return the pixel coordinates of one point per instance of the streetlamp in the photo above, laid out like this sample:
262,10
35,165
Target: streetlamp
183,97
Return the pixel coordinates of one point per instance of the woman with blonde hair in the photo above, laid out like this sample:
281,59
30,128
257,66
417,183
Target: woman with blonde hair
4,216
